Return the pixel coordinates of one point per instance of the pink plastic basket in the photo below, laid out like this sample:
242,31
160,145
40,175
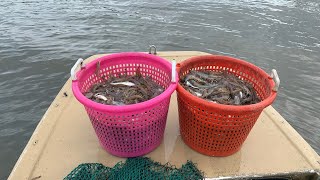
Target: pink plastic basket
130,130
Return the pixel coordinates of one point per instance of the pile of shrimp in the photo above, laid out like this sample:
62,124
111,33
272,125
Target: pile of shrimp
219,87
124,89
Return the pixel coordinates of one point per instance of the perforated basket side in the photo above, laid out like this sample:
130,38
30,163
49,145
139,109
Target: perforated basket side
130,135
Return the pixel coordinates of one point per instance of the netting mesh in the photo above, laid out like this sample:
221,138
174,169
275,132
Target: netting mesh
135,168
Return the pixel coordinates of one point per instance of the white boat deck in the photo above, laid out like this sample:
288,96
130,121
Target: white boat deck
65,138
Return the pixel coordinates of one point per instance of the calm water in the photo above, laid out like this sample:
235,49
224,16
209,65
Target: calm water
40,40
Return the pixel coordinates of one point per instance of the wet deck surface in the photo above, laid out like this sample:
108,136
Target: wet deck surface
65,138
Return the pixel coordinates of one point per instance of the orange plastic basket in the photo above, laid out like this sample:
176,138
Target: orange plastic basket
216,129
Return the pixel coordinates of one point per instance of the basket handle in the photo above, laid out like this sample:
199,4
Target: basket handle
72,71
173,70
276,79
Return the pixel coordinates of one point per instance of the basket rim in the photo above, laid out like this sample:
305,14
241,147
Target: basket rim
125,108
221,107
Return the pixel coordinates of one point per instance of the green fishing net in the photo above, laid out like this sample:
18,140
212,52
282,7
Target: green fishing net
135,168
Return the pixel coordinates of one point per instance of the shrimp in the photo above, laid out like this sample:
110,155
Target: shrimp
219,86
